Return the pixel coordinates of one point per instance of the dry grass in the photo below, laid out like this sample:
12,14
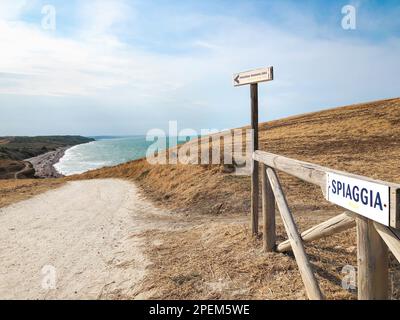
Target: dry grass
362,139
217,258
221,260
12,191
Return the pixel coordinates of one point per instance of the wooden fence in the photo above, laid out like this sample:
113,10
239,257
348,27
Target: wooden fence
373,239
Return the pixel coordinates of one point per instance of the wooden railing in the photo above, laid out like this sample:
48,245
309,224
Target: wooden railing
373,238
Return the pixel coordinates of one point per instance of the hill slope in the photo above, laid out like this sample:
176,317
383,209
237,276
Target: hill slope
21,148
216,257
13,150
362,139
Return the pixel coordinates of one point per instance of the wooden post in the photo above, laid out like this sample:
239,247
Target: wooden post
252,78
310,282
268,210
254,176
373,265
334,225
391,238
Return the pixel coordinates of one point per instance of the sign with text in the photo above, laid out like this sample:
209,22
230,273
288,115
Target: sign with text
253,76
369,199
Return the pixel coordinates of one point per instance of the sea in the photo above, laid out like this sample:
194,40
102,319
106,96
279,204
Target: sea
103,152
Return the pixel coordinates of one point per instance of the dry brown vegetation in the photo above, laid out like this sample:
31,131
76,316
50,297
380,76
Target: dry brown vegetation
362,139
220,259
12,191
216,257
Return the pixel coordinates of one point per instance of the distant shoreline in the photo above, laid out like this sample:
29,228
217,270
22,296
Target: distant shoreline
44,163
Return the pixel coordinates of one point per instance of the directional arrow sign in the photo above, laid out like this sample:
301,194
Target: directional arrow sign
253,76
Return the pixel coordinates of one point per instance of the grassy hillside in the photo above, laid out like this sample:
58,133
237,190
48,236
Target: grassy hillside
20,148
362,139
212,254
217,257
13,150
14,169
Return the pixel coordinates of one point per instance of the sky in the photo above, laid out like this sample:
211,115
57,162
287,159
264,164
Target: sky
122,67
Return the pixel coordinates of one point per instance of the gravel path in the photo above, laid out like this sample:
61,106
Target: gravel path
81,241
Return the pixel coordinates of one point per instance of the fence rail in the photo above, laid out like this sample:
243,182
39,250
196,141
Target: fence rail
373,238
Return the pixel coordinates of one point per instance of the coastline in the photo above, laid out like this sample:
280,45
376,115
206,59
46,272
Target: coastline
44,163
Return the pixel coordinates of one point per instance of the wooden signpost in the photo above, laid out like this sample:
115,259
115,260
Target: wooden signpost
374,208
252,78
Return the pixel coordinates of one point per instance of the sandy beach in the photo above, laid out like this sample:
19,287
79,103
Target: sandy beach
44,163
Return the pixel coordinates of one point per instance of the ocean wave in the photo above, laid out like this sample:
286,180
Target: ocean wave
101,153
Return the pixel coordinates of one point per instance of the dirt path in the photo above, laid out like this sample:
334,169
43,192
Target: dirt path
83,238
27,168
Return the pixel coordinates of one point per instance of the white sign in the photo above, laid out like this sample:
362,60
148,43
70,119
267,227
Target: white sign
369,199
253,76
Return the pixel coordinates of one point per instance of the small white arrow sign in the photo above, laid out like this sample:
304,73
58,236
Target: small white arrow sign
253,76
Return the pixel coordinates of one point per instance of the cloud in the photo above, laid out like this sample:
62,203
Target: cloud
188,77
11,9
100,18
